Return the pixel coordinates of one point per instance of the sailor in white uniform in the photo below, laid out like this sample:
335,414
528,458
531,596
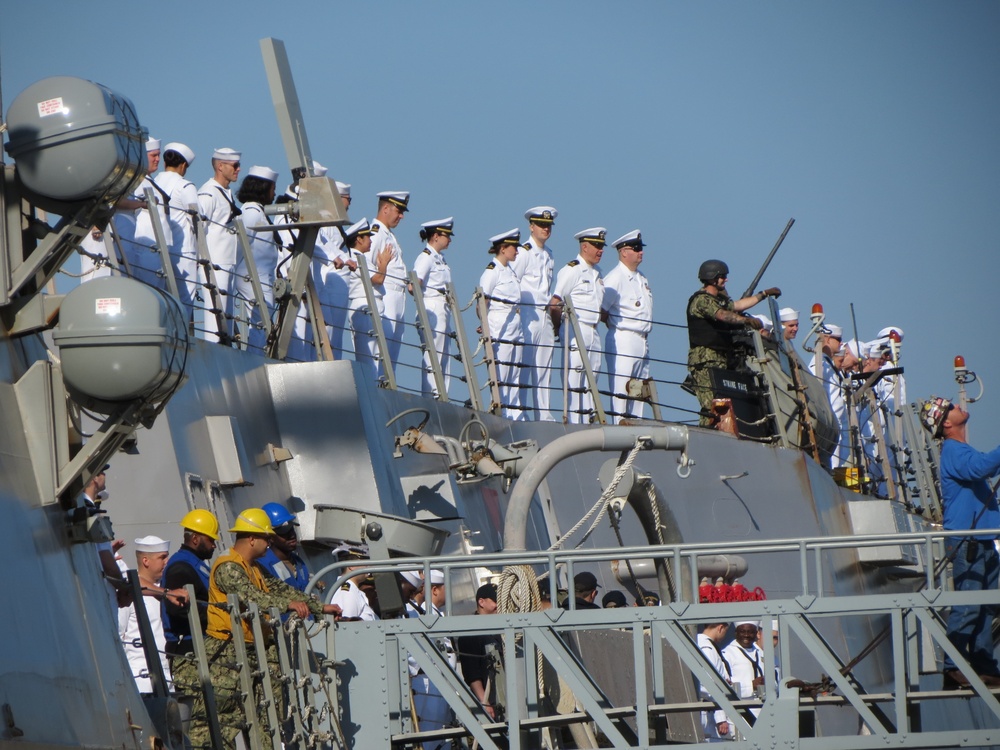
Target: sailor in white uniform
93,252
823,367
352,601
151,554
580,281
628,305
359,242
141,258
178,195
503,295
217,205
432,710
715,724
135,224
746,661
332,267
890,393
391,207
257,191
434,274
534,267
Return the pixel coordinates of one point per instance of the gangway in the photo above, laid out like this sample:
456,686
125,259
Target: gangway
856,669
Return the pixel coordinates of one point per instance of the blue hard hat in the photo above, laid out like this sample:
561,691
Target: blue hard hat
279,514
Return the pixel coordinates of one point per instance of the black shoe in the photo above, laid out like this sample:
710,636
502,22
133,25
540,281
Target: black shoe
954,680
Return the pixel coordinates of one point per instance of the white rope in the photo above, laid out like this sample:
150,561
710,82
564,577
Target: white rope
605,500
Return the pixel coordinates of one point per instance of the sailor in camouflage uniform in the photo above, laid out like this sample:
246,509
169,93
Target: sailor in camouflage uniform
237,573
712,318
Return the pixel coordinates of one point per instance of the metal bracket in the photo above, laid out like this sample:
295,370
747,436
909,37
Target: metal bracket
273,455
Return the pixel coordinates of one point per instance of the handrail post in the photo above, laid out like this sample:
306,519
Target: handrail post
588,372
427,338
376,319
258,290
496,406
161,245
218,305
464,353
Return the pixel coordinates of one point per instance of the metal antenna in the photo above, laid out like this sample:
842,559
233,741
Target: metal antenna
286,106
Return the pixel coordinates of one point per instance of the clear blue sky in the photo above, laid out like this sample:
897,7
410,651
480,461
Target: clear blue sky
705,124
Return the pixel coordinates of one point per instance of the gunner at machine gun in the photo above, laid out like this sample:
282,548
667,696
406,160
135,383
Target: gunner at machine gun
713,318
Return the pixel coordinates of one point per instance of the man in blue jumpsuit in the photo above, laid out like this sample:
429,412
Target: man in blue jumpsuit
280,560
968,504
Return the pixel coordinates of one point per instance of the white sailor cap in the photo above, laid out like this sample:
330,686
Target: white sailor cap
399,198
788,315
768,324
541,214
227,154
593,235
747,622
443,226
359,229
630,239
151,544
181,149
856,349
437,577
413,578
344,189
831,330
319,170
264,173
153,144
510,237
292,191
876,347
884,333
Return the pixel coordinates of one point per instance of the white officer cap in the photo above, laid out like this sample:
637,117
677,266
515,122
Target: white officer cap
264,173
768,325
630,239
511,237
437,577
153,144
413,578
151,544
831,330
884,333
344,189
399,198
359,229
181,149
350,551
788,315
226,154
541,214
319,170
444,226
594,235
